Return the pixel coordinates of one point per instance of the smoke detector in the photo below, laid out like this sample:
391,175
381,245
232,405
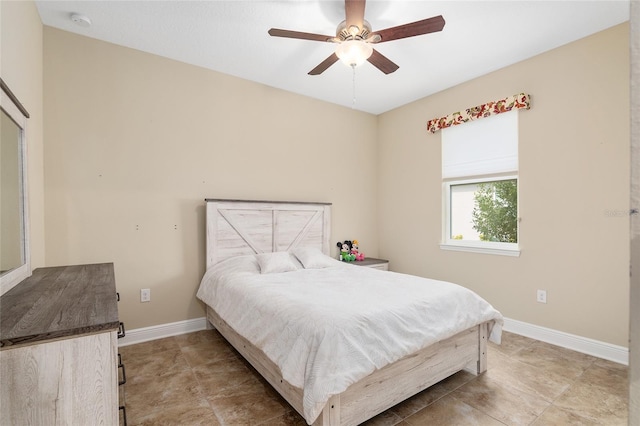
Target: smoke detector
81,20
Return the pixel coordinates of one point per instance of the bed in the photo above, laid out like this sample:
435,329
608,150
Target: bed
294,330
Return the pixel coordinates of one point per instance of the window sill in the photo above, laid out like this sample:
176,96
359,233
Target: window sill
514,252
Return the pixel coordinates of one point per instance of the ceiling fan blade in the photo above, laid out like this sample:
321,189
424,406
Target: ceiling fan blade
381,62
275,32
354,12
426,26
322,67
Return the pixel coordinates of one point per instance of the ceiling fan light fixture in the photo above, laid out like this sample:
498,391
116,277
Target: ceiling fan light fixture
354,52
354,40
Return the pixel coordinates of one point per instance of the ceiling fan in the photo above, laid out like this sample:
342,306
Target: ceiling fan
354,38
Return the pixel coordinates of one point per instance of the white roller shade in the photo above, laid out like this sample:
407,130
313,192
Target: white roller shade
485,146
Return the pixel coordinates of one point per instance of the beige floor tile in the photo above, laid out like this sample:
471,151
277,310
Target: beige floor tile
528,379
496,358
146,348
218,376
511,343
555,416
199,337
554,359
178,414
198,378
149,393
206,351
246,404
611,377
431,394
386,418
501,402
594,403
622,369
290,418
450,411
155,364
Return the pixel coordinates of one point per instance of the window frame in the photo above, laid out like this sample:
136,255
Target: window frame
486,247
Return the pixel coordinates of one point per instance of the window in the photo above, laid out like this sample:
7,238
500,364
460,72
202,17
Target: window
480,185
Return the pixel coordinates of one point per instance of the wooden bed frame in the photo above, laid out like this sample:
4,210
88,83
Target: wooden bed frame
237,227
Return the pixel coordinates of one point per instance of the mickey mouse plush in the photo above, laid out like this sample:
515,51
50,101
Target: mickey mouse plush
345,251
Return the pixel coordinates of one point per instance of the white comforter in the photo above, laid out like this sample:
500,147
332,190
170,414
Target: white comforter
328,328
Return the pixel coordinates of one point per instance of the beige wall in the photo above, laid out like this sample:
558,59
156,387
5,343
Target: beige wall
135,142
634,346
21,69
573,196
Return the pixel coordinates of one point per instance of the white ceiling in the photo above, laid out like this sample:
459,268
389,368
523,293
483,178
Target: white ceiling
231,37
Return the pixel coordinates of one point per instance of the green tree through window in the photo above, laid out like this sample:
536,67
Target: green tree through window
495,215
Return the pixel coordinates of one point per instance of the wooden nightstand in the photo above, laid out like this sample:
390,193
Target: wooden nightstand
372,262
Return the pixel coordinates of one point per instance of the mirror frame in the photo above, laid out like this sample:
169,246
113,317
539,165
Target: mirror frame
14,109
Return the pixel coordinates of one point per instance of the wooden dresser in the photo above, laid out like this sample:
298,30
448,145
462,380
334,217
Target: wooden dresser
58,348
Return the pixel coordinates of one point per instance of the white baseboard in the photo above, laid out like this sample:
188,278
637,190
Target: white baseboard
584,345
154,332
592,347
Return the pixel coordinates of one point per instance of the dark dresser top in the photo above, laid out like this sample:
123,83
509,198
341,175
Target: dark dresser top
59,302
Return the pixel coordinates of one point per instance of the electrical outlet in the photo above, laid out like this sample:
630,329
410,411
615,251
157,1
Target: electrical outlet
542,296
145,295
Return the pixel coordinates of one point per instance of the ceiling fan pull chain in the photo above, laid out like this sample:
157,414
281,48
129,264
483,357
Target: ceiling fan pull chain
353,67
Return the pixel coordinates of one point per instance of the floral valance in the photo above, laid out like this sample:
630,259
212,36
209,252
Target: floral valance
520,100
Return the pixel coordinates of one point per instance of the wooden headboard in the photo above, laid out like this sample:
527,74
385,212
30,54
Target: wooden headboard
237,227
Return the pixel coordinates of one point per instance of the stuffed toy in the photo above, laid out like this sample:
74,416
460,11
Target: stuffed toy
345,251
355,251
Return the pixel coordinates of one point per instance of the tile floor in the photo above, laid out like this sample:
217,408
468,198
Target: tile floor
199,379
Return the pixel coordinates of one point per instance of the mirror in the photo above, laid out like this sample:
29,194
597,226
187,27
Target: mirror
11,249
14,219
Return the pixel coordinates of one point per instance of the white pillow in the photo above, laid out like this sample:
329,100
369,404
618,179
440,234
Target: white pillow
313,258
279,261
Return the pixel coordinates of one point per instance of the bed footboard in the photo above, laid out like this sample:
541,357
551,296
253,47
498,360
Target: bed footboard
383,388
398,381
